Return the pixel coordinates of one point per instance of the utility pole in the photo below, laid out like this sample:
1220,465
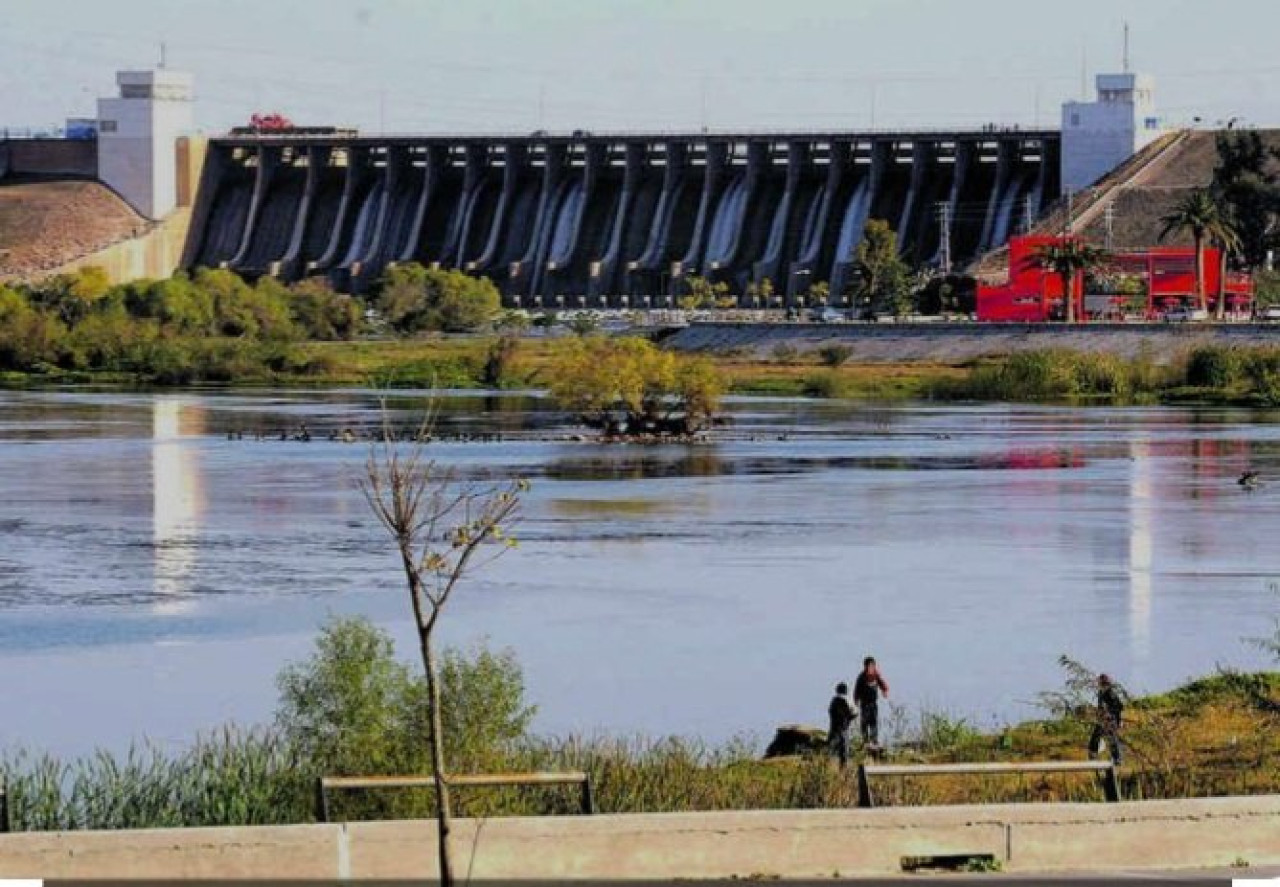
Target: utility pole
944,247
1109,217
1071,212
704,102
1126,47
1028,215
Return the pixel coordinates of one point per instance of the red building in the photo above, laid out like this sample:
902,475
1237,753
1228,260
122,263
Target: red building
1140,282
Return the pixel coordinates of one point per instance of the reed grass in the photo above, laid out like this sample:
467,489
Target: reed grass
1208,738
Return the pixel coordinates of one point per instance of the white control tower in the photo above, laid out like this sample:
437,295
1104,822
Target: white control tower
1098,136
138,134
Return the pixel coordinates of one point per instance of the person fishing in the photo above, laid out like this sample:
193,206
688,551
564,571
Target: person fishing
1109,719
841,715
867,690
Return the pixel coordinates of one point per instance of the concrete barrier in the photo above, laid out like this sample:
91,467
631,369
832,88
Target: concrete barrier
294,851
792,844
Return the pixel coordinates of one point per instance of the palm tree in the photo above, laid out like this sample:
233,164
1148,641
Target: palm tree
1068,258
1227,239
1200,214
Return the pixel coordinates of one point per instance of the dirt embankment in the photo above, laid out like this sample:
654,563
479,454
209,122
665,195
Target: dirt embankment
46,224
961,342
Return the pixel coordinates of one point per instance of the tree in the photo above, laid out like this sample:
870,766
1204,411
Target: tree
703,294
322,313
72,296
882,279
354,708
1200,215
630,384
1227,241
414,298
819,292
440,526
1246,183
1068,258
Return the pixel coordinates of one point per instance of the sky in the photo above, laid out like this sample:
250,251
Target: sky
431,66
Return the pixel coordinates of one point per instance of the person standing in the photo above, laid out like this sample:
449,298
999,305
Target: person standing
1109,719
840,714
867,690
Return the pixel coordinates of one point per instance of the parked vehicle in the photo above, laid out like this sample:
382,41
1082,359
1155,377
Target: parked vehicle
825,315
1270,313
1185,315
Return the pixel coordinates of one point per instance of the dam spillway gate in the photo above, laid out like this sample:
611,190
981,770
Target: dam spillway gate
610,220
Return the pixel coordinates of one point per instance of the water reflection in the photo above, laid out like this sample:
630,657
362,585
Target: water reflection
177,496
1141,509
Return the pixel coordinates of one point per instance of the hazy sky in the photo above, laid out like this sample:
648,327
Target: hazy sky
518,65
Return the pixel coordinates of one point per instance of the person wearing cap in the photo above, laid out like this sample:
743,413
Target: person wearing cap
840,714
1109,720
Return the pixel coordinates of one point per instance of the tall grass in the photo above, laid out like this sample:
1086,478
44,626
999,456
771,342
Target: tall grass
229,777
1207,740
1222,373
1055,374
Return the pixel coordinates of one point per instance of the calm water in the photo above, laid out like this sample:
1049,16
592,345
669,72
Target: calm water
155,576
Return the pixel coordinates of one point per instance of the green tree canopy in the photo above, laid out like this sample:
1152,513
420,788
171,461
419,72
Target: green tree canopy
353,708
630,384
882,280
703,294
1246,182
1201,215
321,313
414,298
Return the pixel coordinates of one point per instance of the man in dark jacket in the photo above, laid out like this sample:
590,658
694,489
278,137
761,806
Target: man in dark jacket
1109,718
840,714
866,692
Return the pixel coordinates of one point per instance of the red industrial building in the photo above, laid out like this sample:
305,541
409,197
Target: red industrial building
1167,277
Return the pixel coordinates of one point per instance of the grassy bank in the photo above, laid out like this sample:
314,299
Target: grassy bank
1216,736
1243,376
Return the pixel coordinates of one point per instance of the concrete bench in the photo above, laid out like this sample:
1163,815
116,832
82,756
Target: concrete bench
1110,782
569,777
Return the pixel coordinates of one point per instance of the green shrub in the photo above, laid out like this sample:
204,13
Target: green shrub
499,362
784,352
835,355
826,384
414,298
1214,366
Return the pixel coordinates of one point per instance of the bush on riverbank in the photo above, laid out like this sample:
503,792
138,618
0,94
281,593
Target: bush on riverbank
213,327
1057,375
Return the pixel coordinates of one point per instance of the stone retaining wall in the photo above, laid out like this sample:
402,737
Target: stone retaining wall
956,343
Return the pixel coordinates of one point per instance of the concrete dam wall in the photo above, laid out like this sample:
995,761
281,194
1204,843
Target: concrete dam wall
604,221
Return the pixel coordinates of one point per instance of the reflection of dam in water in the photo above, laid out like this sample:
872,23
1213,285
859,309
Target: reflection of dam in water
593,220
177,493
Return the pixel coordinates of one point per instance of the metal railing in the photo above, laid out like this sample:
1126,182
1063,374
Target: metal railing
569,777
1110,781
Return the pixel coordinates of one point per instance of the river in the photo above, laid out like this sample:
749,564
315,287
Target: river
155,575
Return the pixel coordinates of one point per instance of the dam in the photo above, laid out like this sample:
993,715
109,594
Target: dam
613,220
